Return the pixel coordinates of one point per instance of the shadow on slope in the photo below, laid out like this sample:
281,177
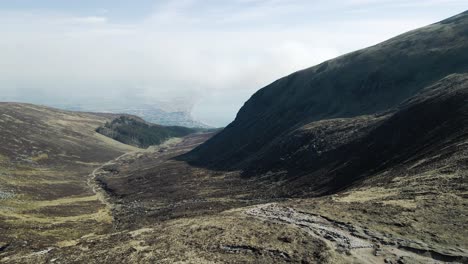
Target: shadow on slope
364,82
327,156
430,128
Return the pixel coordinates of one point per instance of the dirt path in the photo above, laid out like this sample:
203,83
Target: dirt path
101,193
357,245
97,189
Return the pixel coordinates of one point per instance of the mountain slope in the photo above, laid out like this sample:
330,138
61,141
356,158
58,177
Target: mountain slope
429,130
364,82
46,156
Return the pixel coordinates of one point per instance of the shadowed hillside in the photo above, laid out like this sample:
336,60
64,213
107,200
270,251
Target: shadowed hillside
364,82
430,130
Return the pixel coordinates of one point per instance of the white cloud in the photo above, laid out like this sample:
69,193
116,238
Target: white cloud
87,20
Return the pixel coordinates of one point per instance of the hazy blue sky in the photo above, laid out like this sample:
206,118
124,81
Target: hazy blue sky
213,54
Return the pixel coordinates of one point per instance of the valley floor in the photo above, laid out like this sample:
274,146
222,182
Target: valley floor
165,211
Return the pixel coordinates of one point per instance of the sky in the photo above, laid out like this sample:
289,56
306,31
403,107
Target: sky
212,55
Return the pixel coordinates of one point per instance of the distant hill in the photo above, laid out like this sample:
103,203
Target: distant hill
29,130
150,113
165,118
367,82
136,132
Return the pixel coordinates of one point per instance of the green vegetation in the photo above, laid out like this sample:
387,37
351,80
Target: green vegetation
136,132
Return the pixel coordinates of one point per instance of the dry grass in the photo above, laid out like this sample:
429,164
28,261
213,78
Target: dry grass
103,140
198,240
40,157
366,195
46,165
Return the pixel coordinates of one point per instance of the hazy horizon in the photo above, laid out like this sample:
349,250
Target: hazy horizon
205,57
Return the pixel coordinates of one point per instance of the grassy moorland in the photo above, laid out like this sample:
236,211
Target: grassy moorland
45,161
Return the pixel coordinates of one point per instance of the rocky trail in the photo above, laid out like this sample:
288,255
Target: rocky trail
359,244
167,148
95,186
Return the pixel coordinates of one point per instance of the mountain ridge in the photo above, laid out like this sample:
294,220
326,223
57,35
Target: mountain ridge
367,81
